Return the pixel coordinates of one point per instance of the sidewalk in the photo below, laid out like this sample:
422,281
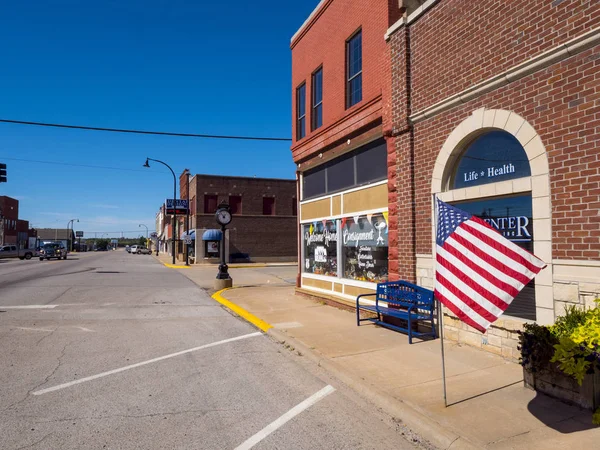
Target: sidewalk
489,407
243,275
168,260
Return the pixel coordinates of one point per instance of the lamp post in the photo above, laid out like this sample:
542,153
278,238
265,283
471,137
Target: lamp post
142,225
174,198
70,241
187,219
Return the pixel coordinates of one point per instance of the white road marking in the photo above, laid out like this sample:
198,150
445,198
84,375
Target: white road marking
86,329
143,363
286,418
29,307
286,325
35,329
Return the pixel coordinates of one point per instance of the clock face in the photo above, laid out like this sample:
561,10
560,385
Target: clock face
223,216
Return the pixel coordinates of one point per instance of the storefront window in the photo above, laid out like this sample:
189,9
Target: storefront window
512,217
320,248
365,247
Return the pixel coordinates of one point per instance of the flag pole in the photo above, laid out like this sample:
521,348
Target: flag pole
440,312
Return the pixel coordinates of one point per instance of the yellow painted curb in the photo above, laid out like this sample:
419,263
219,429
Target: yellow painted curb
260,324
174,266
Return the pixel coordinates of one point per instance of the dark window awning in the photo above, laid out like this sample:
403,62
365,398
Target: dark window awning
212,235
191,233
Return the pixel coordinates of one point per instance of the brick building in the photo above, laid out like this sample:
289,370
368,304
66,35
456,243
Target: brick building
495,107
342,89
12,229
264,225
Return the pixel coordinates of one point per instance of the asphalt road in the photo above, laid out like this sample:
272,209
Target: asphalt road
111,351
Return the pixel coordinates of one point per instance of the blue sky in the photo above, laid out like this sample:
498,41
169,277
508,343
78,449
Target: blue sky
172,65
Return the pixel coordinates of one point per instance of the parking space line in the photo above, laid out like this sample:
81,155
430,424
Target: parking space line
29,307
143,363
278,423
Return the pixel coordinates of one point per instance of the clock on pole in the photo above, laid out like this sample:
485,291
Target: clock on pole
223,217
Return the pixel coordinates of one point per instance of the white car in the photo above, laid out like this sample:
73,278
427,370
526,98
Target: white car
133,249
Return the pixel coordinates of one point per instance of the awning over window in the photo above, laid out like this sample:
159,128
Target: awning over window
212,235
191,233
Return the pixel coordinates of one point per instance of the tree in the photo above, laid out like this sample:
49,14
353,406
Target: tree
142,241
102,244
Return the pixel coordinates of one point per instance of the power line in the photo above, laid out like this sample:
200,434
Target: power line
57,163
159,133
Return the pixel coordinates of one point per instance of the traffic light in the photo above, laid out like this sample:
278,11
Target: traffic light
2,173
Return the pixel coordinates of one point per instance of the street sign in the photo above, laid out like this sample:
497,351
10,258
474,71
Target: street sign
181,206
79,234
2,173
187,240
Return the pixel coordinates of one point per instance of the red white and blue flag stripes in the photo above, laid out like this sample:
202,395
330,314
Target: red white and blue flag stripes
478,271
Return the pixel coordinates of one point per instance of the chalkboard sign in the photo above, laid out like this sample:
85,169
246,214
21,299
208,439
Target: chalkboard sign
365,247
320,248
490,158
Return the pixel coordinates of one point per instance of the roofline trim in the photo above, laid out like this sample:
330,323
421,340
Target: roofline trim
411,18
308,21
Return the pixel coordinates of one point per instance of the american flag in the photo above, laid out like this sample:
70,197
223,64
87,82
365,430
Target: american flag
479,272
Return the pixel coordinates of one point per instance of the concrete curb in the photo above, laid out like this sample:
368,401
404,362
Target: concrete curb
426,427
258,323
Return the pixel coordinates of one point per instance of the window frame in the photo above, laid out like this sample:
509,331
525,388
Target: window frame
240,204
349,79
206,203
300,118
273,206
314,104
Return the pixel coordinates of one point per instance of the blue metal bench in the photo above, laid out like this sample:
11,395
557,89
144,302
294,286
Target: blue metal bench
404,301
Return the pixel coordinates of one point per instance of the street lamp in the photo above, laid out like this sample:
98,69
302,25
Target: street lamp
174,198
70,241
187,219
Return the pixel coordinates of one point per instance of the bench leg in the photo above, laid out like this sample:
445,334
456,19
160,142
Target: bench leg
409,330
357,316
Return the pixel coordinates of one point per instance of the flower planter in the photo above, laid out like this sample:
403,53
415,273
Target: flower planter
551,381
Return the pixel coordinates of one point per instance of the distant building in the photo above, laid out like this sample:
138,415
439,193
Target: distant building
12,229
264,225
66,236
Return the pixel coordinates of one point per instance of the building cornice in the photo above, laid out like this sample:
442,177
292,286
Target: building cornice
320,8
411,18
535,64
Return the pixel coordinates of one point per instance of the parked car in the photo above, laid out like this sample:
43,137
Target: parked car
53,250
139,250
128,249
12,251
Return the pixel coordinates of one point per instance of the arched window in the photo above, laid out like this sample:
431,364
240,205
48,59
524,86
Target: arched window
493,157
490,158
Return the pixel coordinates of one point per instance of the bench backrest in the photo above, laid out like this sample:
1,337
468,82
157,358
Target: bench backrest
405,295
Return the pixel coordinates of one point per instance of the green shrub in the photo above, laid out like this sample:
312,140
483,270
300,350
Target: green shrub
573,343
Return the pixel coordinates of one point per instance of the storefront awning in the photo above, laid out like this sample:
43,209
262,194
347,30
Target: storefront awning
212,235
191,233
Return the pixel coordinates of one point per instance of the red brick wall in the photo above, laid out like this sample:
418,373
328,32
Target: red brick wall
567,118
259,237
459,43
561,102
252,191
323,42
